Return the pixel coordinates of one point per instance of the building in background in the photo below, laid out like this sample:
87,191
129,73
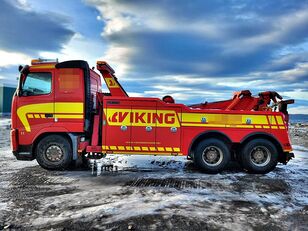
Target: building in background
6,94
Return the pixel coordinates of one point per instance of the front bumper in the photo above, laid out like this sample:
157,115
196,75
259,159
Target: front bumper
24,152
14,139
23,155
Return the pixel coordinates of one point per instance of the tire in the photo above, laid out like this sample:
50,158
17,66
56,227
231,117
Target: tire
54,152
259,156
212,155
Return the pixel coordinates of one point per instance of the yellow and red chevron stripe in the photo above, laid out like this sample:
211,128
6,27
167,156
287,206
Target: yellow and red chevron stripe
170,118
64,110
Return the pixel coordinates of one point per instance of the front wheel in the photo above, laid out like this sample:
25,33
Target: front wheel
54,152
259,156
212,155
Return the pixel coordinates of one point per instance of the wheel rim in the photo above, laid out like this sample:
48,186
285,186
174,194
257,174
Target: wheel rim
260,156
212,156
54,153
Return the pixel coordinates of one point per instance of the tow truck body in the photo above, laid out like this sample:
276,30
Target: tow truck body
66,100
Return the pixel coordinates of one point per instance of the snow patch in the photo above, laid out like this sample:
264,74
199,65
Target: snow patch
5,122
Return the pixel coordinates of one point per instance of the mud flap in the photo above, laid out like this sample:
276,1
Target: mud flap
287,157
74,140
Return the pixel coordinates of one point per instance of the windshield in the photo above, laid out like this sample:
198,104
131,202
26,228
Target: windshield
37,83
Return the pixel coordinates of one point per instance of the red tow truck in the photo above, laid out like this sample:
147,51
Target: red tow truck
60,114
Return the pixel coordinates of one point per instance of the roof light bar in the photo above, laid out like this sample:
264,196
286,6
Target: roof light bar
40,61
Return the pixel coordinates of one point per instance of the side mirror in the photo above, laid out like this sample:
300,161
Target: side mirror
20,68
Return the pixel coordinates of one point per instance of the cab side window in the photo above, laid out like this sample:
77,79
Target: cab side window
37,83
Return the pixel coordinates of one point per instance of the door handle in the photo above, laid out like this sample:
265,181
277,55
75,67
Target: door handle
148,128
48,115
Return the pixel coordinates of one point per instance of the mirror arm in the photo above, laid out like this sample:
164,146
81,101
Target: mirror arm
19,92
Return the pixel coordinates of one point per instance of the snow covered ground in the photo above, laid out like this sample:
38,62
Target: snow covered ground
152,193
5,123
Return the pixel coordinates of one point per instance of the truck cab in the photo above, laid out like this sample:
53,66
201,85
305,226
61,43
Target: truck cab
52,97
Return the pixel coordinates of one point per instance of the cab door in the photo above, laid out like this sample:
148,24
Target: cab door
69,99
35,104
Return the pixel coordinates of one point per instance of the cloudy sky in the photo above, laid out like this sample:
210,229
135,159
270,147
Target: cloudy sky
194,50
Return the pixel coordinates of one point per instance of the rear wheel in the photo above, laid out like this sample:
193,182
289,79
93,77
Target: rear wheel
54,152
259,156
212,155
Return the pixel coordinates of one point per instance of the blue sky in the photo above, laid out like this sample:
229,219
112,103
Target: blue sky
194,50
